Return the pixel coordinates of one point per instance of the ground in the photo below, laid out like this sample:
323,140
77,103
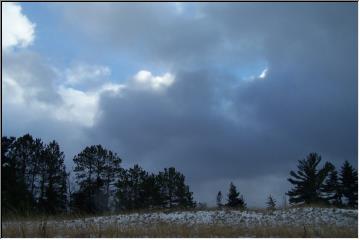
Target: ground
292,222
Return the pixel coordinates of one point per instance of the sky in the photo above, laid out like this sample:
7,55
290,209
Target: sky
224,92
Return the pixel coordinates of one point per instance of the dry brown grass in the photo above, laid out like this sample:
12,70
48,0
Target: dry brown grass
72,216
40,226
163,229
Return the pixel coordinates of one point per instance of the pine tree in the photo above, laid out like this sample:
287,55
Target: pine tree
53,185
33,176
271,203
133,189
349,184
137,187
173,190
110,174
95,169
308,180
233,198
152,192
219,198
168,188
123,197
331,189
24,157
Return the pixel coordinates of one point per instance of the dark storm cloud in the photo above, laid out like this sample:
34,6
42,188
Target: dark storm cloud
160,35
216,34
307,102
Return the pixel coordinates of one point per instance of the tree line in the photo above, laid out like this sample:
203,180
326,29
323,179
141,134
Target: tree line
35,180
311,185
33,176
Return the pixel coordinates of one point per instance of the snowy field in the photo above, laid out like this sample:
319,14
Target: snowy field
294,218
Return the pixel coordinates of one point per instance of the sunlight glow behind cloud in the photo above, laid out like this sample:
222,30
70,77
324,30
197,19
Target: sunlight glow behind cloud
147,79
263,73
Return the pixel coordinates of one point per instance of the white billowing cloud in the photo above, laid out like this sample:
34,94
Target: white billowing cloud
146,79
82,107
17,29
86,74
30,85
77,106
263,73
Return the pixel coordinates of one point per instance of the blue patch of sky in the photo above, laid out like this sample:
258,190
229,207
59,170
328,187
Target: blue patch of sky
254,69
63,46
243,70
51,39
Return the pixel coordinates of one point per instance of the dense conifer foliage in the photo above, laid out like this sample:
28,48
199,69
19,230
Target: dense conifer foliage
234,200
349,184
314,186
136,189
34,180
33,176
96,170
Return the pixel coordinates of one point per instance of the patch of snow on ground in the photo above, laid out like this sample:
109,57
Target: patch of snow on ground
248,218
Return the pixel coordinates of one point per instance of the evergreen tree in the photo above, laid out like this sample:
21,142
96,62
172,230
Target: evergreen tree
131,189
95,169
137,189
233,198
308,180
21,167
32,176
271,203
124,190
331,189
27,154
152,192
349,184
187,200
219,198
53,195
173,191
110,174
167,187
